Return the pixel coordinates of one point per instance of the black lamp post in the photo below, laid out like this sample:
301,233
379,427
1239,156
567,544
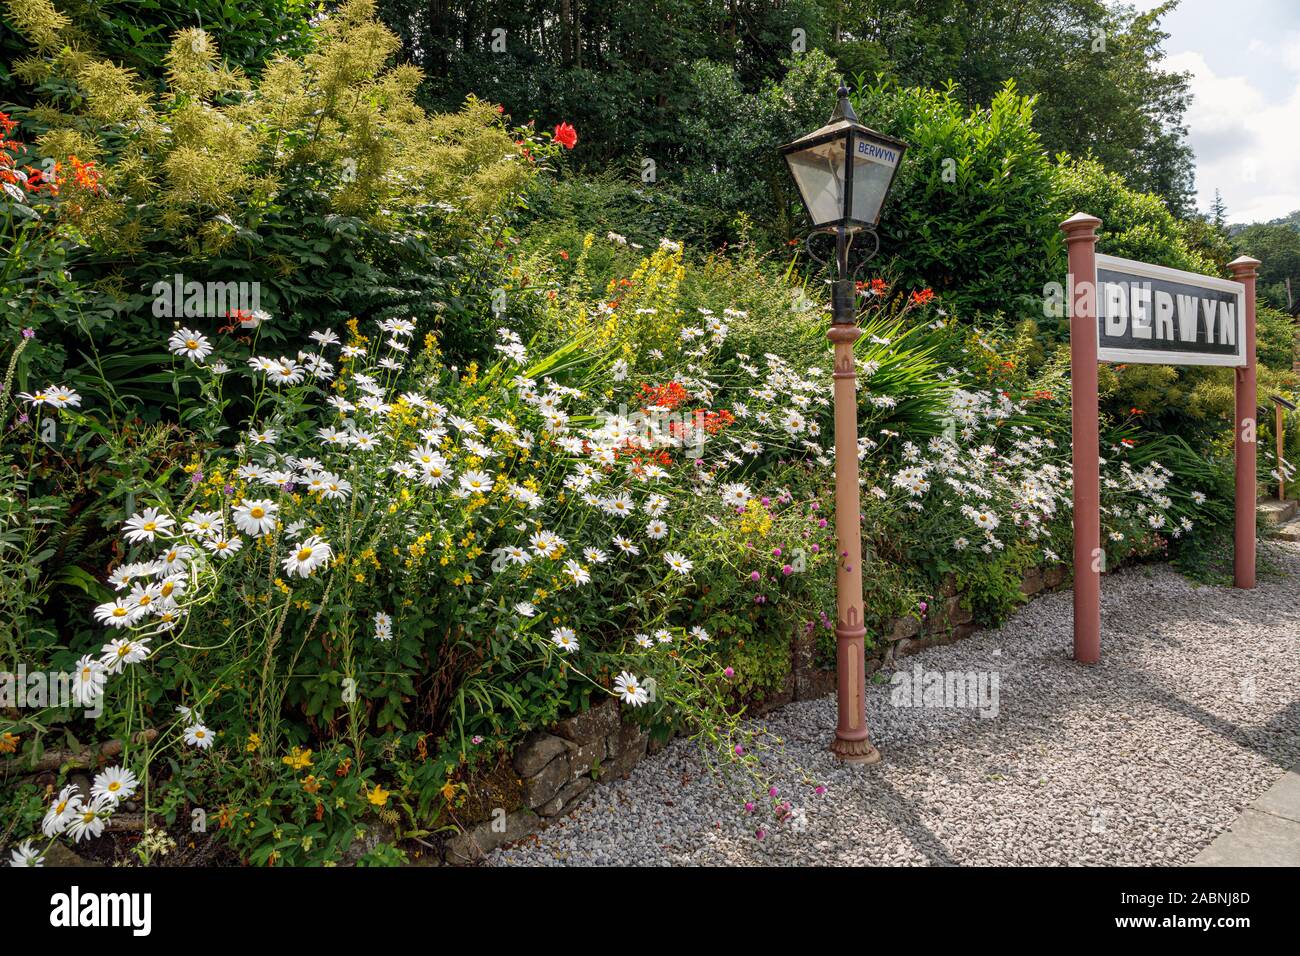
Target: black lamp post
844,171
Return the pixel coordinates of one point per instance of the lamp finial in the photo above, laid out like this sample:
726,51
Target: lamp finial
843,108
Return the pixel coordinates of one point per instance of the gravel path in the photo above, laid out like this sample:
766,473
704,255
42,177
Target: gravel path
1143,759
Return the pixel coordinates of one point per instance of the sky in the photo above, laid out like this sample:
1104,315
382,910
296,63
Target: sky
1244,121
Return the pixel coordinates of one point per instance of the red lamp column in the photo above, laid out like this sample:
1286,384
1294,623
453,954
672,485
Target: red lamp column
851,742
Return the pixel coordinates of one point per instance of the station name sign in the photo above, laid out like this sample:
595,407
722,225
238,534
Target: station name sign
877,153
1154,315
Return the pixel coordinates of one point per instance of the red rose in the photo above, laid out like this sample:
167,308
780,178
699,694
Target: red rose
566,136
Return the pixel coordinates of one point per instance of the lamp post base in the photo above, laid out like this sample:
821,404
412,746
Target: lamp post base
855,751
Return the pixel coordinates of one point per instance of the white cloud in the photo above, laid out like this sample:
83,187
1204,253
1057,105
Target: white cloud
1246,146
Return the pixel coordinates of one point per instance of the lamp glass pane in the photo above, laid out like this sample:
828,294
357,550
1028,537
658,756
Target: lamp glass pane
819,173
873,168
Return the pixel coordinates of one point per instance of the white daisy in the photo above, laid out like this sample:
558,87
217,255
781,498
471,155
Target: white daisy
115,783
546,543
577,572
678,562
116,654
285,372
204,523
146,525
324,338
26,855
256,517
476,482
174,560
736,494
307,556
88,680
620,505
90,818
564,639
629,689
224,548
196,735
121,612
190,344
61,811
63,397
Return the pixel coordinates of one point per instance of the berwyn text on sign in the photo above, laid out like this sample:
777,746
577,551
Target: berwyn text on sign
1152,314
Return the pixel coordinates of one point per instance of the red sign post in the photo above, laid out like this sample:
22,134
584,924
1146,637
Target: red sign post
1081,242
1243,445
1147,313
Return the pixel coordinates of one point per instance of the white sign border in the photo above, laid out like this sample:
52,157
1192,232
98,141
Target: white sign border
1149,357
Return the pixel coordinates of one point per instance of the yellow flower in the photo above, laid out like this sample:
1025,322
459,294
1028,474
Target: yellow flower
254,741
8,743
298,758
378,796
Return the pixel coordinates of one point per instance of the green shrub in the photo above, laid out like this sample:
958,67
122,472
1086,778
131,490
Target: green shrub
1134,225
321,183
971,212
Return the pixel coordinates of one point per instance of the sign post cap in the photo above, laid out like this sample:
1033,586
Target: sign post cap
1243,265
1079,222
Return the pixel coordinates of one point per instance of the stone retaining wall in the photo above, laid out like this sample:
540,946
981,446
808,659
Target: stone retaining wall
553,771
947,622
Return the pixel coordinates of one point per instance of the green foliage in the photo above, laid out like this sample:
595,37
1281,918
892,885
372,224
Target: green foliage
1276,334
565,208
1135,225
1277,247
139,35
970,211
321,184
628,73
990,589
1208,242
366,691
